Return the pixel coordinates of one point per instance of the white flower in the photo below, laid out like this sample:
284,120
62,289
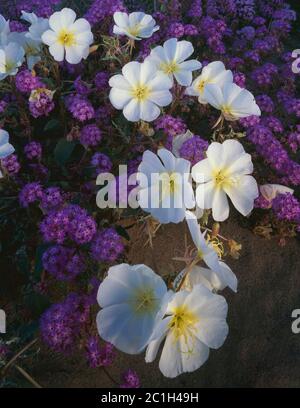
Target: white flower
140,91
11,57
270,191
68,38
136,25
221,274
4,30
210,279
233,101
5,147
132,299
213,73
170,58
38,25
195,322
32,48
225,171
165,188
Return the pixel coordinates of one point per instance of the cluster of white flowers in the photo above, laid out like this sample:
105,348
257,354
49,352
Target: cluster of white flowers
138,312
137,95
66,37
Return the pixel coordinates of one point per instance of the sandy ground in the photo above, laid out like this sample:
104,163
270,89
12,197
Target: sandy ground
260,351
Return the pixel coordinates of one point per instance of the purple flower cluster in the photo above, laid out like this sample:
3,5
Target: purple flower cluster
286,207
170,125
61,324
30,193
130,379
27,82
101,162
100,9
33,150
107,245
97,355
63,263
101,80
41,102
52,199
72,222
90,135
80,107
193,149
11,164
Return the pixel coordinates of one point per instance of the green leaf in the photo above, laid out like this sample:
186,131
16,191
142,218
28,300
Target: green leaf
51,125
63,151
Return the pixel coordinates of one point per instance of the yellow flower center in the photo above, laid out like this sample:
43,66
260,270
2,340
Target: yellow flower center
227,111
223,178
134,30
183,322
8,66
141,93
201,85
66,38
169,68
145,301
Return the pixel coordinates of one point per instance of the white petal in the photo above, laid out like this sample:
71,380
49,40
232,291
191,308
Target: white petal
67,17
220,206
160,82
184,49
132,111
49,37
81,25
191,65
170,48
125,330
148,71
183,77
194,228
202,172
243,194
55,22
73,54
213,95
167,158
85,38
131,72
57,51
152,349
135,18
212,331
149,111
215,155
161,98
4,137
205,195
121,19
6,150
119,97
118,81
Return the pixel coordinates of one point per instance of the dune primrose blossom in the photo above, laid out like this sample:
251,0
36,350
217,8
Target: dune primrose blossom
131,298
38,25
165,186
140,91
213,73
195,322
220,275
67,37
4,30
171,59
233,101
136,25
225,171
11,58
6,149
